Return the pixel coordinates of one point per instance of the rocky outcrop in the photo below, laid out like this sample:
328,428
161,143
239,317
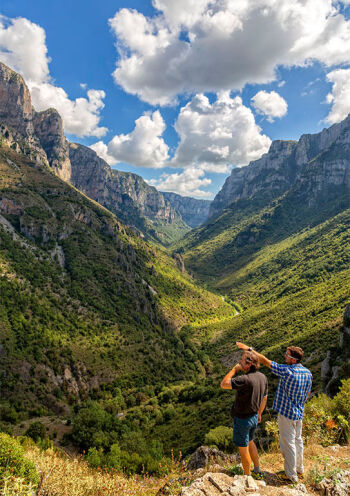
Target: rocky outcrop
314,164
336,485
194,212
48,128
215,484
15,102
16,116
336,365
39,135
204,456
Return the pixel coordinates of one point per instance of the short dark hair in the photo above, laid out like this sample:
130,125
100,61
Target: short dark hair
295,352
253,359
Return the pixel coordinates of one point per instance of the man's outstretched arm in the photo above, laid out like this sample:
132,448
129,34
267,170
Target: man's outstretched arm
262,358
226,381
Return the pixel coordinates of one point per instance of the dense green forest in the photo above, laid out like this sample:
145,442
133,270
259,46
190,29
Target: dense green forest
81,292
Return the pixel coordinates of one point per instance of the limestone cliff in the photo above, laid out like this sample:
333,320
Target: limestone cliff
194,212
128,195
40,136
16,116
48,128
15,102
315,163
113,188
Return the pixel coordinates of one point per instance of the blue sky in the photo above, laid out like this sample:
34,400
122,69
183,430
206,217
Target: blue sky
210,84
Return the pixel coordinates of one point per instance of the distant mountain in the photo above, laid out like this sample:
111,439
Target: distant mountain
127,195
316,163
135,202
194,212
296,185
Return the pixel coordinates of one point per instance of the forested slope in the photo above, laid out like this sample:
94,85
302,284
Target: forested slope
84,301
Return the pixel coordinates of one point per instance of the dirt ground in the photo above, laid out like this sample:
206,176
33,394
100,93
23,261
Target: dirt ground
56,428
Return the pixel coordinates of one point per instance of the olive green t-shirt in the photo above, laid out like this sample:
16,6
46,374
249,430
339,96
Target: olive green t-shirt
250,391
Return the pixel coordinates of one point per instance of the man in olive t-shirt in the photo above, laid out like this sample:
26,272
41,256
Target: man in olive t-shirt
251,397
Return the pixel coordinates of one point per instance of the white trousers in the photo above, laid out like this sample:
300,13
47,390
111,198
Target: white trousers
292,447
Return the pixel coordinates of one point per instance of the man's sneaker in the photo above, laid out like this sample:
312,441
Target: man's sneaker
258,475
282,476
300,475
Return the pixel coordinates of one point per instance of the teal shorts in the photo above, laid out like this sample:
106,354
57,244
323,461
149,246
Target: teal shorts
243,430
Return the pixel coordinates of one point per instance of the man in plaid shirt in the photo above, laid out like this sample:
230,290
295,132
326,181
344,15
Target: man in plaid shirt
293,389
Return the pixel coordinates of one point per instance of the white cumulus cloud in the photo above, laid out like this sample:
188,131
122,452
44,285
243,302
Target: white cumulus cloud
198,46
271,104
340,95
143,147
215,136
187,183
23,48
102,151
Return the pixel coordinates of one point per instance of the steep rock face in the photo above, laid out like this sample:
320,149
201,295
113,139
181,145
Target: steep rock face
273,171
194,212
116,190
315,163
48,128
15,102
16,116
40,137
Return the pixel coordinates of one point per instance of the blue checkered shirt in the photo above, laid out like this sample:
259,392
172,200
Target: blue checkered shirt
293,388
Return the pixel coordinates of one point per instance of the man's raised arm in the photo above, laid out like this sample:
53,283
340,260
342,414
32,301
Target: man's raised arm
262,358
226,381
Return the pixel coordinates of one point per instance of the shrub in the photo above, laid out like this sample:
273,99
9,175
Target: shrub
94,457
236,470
36,431
89,422
8,414
327,420
221,437
114,456
16,485
272,431
341,402
13,462
131,462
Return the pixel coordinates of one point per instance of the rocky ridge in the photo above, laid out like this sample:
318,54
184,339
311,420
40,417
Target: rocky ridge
124,193
40,137
194,212
315,163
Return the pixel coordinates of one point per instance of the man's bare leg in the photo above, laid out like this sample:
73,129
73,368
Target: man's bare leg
246,460
253,451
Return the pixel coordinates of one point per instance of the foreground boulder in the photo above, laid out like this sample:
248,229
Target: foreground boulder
204,456
215,484
337,485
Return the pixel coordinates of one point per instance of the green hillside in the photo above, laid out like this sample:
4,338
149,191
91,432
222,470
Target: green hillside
84,301
285,264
